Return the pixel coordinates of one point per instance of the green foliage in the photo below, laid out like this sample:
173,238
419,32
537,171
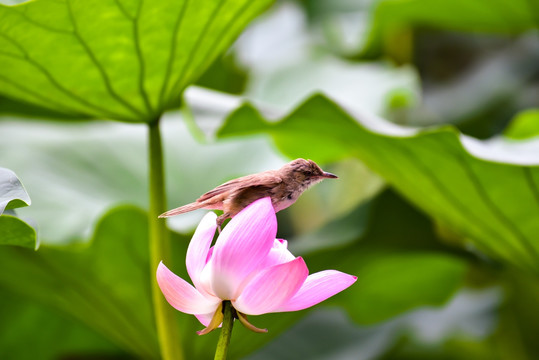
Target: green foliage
83,296
393,20
518,323
14,231
393,284
55,337
398,260
524,126
104,284
124,59
12,193
458,185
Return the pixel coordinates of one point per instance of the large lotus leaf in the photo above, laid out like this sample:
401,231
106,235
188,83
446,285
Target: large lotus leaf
118,59
105,284
485,192
17,108
52,335
393,284
393,19
399,263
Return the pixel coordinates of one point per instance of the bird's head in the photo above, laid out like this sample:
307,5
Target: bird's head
306,172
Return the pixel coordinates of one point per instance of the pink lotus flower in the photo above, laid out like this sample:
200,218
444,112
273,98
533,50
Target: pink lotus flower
247,266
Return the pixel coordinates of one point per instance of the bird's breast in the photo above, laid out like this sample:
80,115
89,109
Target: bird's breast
284,202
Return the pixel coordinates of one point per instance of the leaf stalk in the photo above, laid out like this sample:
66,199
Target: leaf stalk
167,329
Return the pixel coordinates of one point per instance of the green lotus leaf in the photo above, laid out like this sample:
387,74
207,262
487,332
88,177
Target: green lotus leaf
486,192
14,231
104,285
126,60
523,126
12,193
23,319
393,19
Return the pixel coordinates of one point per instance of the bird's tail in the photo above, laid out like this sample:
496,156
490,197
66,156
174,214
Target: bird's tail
183,209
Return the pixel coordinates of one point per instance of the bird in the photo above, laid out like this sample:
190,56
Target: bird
283,186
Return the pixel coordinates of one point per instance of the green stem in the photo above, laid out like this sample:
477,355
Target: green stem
226,331
159,249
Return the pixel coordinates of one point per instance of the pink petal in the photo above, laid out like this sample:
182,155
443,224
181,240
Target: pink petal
317,288
199,247
181,295
271,287
278,254
241,247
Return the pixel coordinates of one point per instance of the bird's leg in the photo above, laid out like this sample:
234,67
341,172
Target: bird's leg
221,219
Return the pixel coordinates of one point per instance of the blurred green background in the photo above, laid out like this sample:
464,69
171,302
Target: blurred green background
428,111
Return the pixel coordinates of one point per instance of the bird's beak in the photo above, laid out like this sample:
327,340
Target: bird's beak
329,175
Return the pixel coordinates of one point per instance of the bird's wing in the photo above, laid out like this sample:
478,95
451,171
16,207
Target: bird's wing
267,178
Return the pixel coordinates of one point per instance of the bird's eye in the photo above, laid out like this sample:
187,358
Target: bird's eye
308,173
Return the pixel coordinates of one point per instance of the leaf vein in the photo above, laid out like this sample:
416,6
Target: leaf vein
234,19
98,65
55,82
194,50
38,95
452,199
495,209
90,291
5,53
138,50
38,24
123,10
531,183
172,54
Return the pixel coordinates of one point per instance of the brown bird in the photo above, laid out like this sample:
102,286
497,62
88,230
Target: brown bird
284,186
